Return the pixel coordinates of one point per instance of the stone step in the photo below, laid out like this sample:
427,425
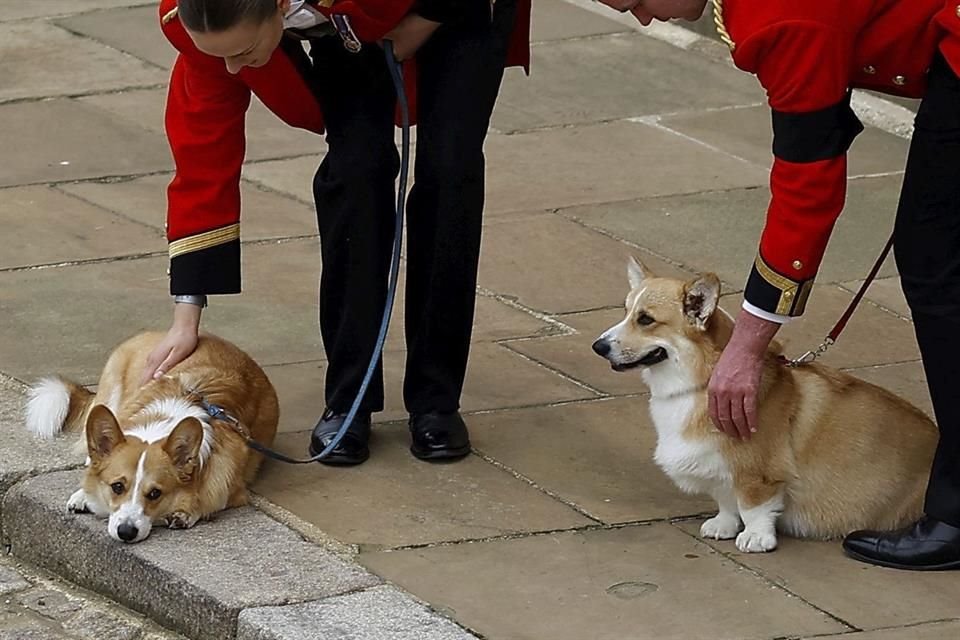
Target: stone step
242,565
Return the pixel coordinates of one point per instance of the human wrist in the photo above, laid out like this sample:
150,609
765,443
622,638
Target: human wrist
753,334
186,317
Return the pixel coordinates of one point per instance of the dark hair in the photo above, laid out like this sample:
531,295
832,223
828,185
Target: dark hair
203,16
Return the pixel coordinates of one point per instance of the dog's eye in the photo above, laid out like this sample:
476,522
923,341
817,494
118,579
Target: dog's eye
117,488
645,319
154,494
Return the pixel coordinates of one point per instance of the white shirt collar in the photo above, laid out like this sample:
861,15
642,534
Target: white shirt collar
301,15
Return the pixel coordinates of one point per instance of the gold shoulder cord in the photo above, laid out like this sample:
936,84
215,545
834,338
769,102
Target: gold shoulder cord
721,28
169,15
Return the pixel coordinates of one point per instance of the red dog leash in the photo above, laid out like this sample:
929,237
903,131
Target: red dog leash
831,338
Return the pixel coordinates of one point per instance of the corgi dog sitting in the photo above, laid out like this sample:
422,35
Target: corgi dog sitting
832,453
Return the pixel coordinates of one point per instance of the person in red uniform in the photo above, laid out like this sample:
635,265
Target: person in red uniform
454,53
808,56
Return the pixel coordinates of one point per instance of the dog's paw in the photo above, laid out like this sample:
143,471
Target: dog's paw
756,541
180,520
720,527
78,502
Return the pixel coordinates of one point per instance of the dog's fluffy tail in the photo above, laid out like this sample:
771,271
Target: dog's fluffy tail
56,405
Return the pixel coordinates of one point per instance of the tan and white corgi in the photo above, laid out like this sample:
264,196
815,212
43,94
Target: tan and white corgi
832,453
154,454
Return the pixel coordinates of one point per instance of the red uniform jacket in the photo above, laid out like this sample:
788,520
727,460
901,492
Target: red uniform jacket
205,115
808,56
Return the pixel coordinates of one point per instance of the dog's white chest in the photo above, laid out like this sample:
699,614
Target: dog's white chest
695,466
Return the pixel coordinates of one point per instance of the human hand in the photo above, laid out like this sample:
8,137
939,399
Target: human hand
410,34
735,382
180,342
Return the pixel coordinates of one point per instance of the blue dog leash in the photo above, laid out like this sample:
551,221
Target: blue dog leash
218,413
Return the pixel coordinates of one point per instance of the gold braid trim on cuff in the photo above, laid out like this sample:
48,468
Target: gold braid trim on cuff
205,240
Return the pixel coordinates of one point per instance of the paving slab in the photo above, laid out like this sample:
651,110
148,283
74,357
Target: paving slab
193,581
496,378
566,267
559,20
273,323
264,214
865,596
640,582
596,455
381,613
267,135
62,229
586,165
720,231
747,132
394,500
885,292
872,337
20,10
929,631
40,59
133,30
615,76
80,141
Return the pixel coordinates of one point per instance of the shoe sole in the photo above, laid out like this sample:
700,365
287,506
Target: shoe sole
446,454
906,567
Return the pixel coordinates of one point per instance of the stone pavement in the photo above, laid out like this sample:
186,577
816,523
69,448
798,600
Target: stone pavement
559,525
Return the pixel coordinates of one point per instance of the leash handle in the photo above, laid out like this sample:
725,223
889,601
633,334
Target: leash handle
831,338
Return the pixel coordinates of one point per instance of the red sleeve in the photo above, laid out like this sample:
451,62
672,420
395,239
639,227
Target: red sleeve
205,116
804,67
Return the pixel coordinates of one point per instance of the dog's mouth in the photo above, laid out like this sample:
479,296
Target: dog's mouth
651,358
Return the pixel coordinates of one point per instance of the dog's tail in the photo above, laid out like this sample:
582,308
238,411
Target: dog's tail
56,405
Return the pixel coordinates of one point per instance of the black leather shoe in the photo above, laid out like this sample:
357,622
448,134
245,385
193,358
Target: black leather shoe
926,545
439,436
352,448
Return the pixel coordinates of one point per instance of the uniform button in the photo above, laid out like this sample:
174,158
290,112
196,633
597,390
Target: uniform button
870,69
899,81
958,10
797,265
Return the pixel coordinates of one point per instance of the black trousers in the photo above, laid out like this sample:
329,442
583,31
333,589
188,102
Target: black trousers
459,72
927,250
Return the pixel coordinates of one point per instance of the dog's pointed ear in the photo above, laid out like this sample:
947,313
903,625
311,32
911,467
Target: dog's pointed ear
700,299
103,433
183,446
637,272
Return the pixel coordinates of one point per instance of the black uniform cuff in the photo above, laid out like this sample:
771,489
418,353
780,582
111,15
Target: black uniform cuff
774,292
212,270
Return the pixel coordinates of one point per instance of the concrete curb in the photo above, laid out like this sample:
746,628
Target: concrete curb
195,582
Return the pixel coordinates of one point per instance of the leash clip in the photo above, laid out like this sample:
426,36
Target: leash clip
811,355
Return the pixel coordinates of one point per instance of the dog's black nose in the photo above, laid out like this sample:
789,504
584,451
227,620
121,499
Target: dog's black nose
127,532
601,347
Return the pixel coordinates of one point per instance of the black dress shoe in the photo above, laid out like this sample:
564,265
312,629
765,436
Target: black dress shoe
926,545
439,436
352,448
